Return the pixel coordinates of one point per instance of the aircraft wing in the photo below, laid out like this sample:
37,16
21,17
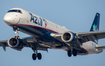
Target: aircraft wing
26,42
83,37
89,36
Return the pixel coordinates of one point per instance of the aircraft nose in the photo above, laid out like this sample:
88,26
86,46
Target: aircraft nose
7,19
11,19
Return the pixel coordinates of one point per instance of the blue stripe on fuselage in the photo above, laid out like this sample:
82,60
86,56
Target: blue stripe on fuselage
36,31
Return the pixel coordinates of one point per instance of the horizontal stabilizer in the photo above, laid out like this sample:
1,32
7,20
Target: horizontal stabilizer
100,47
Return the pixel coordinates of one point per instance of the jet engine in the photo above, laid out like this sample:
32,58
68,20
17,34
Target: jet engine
15,43
69,37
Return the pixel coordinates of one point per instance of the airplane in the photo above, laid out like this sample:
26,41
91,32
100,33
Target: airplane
45,35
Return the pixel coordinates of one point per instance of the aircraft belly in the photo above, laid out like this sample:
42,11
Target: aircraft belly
37,32
33,31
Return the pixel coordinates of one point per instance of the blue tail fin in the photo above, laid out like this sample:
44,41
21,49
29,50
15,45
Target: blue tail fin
95,25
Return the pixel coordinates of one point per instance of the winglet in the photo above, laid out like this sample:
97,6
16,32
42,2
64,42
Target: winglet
4,48
95,25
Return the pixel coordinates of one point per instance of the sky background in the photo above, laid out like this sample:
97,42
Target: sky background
76,15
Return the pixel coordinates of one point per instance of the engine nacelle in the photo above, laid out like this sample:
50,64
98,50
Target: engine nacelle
15,43
69,37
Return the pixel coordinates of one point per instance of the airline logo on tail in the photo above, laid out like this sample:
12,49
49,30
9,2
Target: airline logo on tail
95,28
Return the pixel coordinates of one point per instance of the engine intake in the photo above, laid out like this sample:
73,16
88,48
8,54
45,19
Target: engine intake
15,43
69,37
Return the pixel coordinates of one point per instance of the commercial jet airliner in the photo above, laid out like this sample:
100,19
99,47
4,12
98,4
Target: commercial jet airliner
45,35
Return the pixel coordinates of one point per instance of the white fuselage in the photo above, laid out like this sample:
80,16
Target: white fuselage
26,18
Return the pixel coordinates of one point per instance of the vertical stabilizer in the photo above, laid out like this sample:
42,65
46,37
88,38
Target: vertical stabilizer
95,25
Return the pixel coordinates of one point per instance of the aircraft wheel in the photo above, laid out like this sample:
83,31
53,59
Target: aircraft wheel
34,56
69,53
39,56
74,52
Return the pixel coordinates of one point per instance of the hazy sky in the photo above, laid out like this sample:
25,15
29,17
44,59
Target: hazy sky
76,15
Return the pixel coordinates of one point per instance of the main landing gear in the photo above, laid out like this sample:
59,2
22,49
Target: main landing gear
70,52
36,55
34,48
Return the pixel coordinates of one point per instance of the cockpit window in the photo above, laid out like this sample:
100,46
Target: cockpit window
19,11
